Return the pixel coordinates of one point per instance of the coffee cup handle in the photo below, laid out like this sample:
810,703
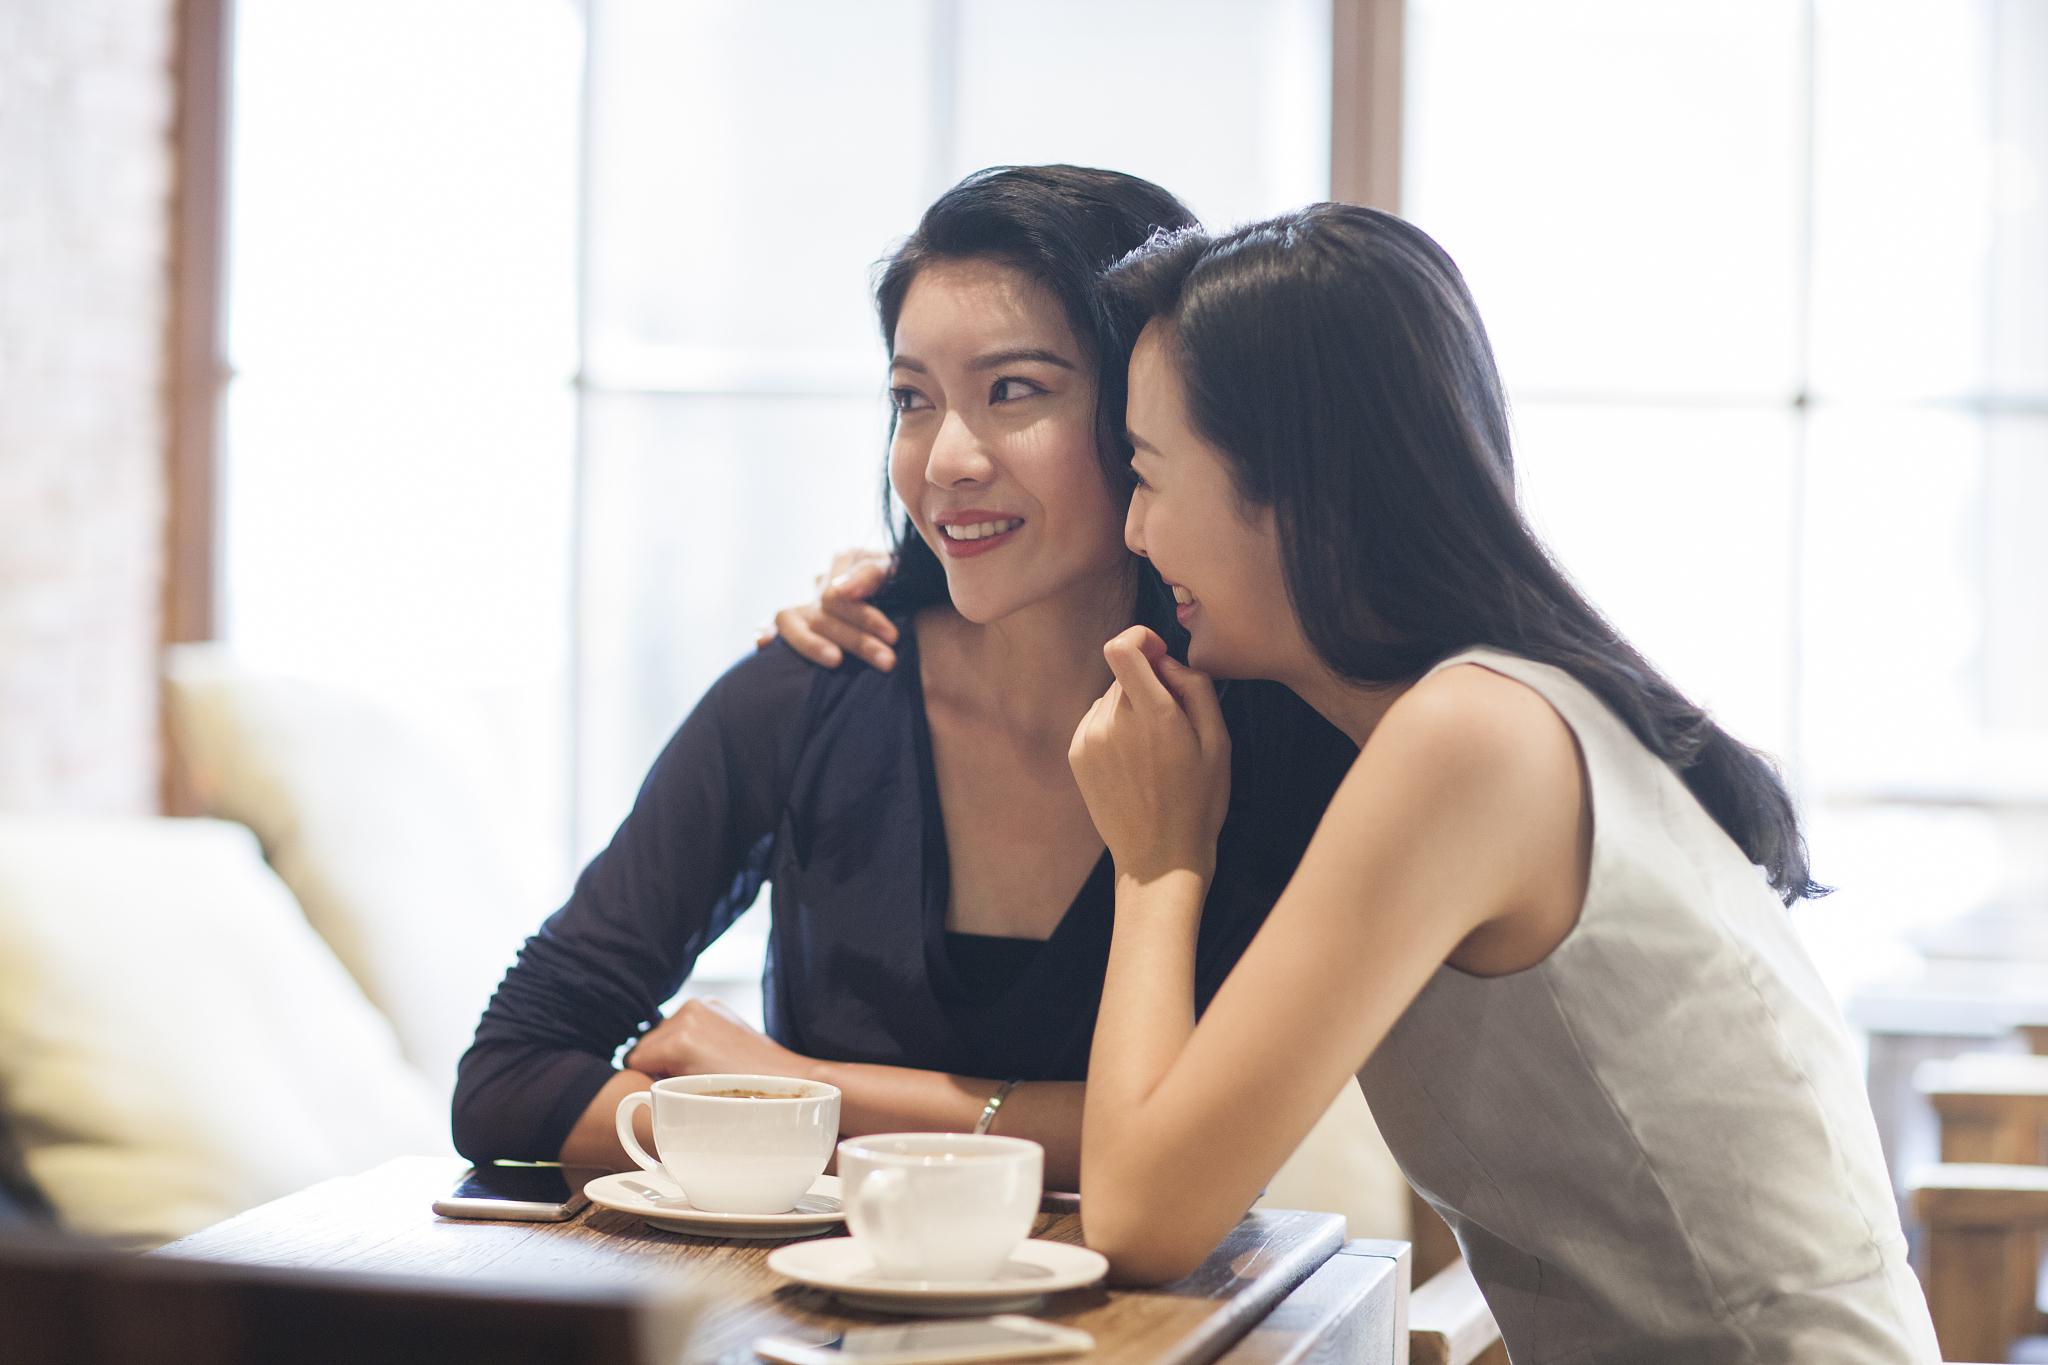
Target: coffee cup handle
627,1139
876,1198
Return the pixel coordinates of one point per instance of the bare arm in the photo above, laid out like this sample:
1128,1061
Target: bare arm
704,1036
1438,824
896,1099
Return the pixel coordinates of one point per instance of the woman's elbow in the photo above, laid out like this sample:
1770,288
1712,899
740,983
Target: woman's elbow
1143,1243
1140,1254
1147,1268
473,1125
471,1135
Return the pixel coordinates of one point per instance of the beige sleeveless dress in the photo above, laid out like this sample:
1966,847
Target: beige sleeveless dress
1654,1146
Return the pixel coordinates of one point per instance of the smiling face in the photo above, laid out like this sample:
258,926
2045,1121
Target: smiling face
1219,554
994,452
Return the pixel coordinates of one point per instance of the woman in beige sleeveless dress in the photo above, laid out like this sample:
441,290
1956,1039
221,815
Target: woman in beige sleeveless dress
1546,916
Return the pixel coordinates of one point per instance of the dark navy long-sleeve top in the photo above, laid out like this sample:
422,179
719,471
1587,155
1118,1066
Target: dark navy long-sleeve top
820,782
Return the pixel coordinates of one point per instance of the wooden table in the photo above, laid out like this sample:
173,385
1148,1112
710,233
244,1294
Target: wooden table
1284,1287
1943,1008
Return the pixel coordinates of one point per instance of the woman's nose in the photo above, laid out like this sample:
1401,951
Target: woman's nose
1134,524
957,456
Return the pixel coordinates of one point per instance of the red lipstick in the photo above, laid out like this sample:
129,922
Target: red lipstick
975,516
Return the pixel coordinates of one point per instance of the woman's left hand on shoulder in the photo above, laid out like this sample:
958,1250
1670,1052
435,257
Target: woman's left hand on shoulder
840,621
1152,758
705,1037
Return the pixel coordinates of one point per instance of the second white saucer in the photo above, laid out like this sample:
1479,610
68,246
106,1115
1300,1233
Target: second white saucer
654,1197
1035,1269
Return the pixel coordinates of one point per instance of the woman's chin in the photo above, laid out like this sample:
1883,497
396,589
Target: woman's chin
983,608
1204,657
985,598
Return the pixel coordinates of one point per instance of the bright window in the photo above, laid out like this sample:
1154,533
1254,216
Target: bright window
400,423
1768,288
538,497
556,369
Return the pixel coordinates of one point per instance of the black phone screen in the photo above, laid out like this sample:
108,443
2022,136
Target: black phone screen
521,1184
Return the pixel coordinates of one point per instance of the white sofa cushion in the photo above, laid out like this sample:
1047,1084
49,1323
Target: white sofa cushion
376,833
175,1043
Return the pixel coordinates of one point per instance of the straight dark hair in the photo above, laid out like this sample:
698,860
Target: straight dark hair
1062,226
1335,357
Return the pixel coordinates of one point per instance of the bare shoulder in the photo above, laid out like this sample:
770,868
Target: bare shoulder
1471,789
1470,724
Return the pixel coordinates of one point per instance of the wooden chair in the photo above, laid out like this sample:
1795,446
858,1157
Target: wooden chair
1982,1226
1993,1106
2036,1034
71,1305
1983,1212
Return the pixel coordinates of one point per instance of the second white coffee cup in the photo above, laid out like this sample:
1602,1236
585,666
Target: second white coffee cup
737,1144
940,1206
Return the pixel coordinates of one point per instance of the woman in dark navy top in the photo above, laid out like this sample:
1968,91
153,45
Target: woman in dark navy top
941,901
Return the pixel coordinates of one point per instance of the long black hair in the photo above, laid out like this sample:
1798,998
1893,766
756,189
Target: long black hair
1335,357
1062,226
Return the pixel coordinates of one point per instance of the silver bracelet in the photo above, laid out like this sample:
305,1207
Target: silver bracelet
995,1102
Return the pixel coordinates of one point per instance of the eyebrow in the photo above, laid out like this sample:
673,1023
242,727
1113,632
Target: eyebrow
1139,443
992,360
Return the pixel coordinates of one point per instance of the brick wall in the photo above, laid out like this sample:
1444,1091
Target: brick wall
85,176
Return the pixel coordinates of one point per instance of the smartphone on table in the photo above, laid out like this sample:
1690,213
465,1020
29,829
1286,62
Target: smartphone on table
527,1193
1007,1336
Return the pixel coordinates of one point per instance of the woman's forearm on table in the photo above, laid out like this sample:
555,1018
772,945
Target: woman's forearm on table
875,1099
896,1099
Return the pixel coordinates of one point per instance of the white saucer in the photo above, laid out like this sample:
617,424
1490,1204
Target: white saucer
653,1196
1034,1270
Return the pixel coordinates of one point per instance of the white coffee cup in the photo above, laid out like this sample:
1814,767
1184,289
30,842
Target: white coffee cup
733,1153
940,1206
